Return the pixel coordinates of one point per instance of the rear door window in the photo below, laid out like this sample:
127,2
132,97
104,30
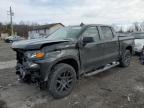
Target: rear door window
107,33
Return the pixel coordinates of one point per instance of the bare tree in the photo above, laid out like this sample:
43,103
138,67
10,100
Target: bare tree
121,30
142,26
136,27
130,29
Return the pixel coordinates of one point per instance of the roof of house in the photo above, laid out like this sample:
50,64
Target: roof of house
47,26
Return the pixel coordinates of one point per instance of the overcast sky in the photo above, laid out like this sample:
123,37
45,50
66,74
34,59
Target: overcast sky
72,12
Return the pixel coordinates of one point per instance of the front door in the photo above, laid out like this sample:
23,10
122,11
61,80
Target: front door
92,53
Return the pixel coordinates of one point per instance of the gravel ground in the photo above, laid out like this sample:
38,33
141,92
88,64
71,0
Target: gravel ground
6,54
115,88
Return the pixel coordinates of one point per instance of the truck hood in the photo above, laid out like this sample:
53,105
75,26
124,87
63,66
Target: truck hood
35,44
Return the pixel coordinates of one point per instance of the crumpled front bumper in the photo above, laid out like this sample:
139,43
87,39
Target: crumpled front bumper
37,70
30,70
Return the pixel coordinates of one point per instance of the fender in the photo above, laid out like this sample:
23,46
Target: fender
60,60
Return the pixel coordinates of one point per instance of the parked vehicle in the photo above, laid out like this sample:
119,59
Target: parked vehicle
139,41
59,60
11,39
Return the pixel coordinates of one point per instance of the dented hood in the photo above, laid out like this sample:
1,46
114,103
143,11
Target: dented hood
34,44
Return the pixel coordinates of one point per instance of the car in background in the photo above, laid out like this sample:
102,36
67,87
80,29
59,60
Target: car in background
139,41
12,39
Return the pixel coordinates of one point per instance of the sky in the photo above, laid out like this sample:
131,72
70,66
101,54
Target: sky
73,12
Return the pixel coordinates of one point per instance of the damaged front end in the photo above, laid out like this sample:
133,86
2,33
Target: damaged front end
27,70
35,59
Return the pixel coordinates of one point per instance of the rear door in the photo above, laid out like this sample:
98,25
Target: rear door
111,44
92,53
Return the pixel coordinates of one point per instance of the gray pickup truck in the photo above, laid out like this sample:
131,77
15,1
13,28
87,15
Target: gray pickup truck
56,62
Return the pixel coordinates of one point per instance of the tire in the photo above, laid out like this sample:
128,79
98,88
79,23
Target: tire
62,80
126,59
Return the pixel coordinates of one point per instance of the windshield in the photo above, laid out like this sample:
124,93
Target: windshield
139,35
65,33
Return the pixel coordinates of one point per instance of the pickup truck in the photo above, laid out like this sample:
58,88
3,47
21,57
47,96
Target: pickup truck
58,61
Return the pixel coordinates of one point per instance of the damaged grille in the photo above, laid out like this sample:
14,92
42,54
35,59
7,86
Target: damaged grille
20,57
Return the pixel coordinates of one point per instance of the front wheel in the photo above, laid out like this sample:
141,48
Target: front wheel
62,80
126,59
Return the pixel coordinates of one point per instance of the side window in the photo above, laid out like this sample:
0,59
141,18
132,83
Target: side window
92,32
107,32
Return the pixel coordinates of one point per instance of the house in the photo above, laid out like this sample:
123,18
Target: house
3,36
44,30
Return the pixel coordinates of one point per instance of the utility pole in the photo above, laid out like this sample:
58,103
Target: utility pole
11,14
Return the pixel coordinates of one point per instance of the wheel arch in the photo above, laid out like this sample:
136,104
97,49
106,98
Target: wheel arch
70,61
130,48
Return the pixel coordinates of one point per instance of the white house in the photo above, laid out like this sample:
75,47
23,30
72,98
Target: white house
44,30
3,36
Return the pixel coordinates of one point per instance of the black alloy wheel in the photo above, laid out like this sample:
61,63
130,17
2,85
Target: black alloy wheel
62,80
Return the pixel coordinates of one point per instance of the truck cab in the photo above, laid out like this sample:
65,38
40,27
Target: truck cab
101,48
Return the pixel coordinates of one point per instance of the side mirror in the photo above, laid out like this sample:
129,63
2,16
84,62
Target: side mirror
88,40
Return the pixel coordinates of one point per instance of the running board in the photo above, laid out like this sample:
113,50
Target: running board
108,66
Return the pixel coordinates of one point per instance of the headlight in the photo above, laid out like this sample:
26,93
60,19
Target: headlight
36,54
41,55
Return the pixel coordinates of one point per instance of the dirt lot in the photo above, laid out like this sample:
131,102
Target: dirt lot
6,53
115,88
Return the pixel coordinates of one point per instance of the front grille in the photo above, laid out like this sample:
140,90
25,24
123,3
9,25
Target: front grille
20,57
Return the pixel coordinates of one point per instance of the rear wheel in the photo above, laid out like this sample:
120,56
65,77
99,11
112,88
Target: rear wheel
126,59
62,80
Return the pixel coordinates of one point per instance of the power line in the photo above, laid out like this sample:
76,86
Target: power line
11,14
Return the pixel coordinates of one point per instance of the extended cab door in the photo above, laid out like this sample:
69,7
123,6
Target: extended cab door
111,44
91,53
